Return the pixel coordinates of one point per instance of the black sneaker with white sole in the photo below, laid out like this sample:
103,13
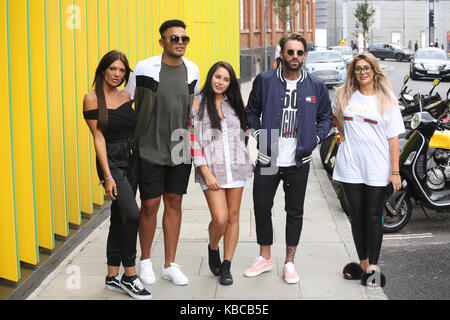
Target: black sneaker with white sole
134,287
113,283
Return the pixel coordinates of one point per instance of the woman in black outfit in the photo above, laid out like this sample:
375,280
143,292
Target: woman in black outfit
111,120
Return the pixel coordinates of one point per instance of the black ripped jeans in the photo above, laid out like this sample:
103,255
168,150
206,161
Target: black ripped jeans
265,186
366,205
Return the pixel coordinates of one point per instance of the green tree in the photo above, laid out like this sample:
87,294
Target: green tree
284,12
364,15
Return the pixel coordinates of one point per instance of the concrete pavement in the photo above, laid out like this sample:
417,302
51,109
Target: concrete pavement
326,245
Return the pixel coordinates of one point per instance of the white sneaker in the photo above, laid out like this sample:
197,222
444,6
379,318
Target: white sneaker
147,275
174,274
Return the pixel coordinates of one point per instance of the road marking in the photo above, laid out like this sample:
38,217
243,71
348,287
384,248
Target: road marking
407,236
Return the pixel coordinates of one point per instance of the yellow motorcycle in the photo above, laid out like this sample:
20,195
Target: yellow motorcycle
425,171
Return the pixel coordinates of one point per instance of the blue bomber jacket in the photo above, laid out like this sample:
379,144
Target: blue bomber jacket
265,108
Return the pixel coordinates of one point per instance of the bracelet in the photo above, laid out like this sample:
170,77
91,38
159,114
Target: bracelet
395,173
104,179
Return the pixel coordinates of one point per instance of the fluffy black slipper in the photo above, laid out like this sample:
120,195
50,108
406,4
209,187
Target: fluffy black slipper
374,279
353,271
214,261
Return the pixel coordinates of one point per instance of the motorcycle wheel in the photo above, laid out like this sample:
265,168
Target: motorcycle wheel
324,149
395,223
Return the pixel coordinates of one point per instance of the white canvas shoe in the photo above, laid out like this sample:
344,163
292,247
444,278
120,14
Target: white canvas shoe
174,274
147,275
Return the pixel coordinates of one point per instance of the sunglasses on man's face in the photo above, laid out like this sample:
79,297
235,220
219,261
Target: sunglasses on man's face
299,52
176,39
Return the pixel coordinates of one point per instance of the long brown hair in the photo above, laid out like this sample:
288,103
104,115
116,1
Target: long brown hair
104,63
383,90
233,94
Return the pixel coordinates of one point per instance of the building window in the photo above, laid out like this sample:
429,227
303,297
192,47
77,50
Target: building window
307,26
255,15
289,22
244,11
241,14
277,20
297,17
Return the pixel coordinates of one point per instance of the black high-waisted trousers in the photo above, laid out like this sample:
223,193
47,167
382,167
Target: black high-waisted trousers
365,204
122,237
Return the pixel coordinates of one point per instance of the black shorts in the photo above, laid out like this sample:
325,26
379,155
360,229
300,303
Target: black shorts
154,179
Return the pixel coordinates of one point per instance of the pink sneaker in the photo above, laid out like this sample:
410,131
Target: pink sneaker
290,275
259,266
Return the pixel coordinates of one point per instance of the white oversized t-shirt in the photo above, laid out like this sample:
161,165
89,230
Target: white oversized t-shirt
287,140
364,155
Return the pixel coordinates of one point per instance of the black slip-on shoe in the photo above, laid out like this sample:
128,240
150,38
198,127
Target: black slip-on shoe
214,260
225,277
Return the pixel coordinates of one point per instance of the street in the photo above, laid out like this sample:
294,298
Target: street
416,259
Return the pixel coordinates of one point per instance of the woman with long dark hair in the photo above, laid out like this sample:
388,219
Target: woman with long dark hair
221,160
111,119
369,122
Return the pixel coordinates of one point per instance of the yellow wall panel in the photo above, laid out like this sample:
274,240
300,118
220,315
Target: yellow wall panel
23,171
93,53
81,82
56,127
9,256
153,36
140,34
189,20
234,40
148,28
103,36
40,125
51,174
131,32
122,22
113,27
70,110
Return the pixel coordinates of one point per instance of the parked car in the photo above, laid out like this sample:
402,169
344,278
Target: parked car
390,51
328,65
430,63
346,52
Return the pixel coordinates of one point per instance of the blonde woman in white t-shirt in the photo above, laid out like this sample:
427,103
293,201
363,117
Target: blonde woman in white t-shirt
369,121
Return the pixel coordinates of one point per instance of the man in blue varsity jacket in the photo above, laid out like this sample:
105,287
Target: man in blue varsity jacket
289,112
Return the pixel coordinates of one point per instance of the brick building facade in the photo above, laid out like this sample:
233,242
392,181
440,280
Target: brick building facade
252,31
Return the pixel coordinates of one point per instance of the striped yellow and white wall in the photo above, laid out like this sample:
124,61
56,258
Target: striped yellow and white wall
49,50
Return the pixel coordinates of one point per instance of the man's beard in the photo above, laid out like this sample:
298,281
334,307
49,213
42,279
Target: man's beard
174,54
288,66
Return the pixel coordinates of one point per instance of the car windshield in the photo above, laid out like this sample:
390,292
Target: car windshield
343,50
430,54
323,56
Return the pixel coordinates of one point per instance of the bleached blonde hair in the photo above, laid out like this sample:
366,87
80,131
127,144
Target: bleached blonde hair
383,90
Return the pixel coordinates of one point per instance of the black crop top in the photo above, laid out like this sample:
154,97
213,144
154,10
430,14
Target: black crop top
121,121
